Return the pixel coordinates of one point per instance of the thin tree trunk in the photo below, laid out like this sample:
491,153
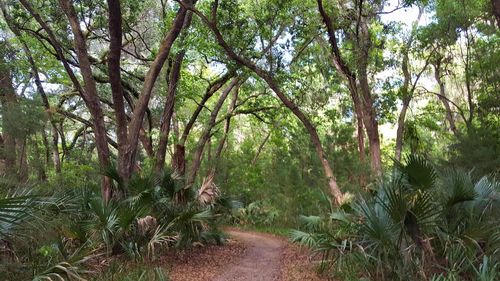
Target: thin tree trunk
261,148
178,159
230,110
369,113
442,98
39,164
406,98
34,69
146,143
47,148
401,128
206,133
213,88
22,160
360,92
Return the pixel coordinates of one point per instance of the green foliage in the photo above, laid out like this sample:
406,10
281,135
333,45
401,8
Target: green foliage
412,226
78,228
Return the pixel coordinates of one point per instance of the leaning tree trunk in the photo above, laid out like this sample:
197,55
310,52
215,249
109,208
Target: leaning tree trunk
223,141
335,191
168,111
150,79
207,131
178,159
90,95
360,94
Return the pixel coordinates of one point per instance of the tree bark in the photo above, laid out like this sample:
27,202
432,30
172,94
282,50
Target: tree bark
359,89
168,110
150,79
207,131
230,110
114,72
369,113
496,10
8,100
90,96
442,98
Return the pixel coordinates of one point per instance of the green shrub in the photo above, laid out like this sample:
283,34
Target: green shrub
418,222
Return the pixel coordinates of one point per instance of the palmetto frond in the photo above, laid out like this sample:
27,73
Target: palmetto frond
13,210
209,191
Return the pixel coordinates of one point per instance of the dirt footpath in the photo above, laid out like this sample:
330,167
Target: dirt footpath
248,256
261,261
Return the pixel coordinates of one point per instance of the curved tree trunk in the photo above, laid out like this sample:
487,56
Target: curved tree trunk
207,131
267,77
151,76
222,142
358,87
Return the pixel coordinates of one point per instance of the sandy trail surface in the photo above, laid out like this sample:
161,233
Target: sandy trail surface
261,261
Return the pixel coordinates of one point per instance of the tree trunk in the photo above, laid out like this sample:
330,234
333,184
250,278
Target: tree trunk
261,147
369,113
442,98
406,98
47,148
213,87
8,100
90,96
332,182
114,56
496,10
400,130
34,69
22,162
179,160
207,131
39,163
222,142
150,79
168,110
358,88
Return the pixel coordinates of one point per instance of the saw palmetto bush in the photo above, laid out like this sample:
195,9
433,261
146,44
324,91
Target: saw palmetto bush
418,225
72,233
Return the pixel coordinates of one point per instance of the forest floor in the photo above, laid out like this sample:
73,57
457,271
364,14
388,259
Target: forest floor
247,256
